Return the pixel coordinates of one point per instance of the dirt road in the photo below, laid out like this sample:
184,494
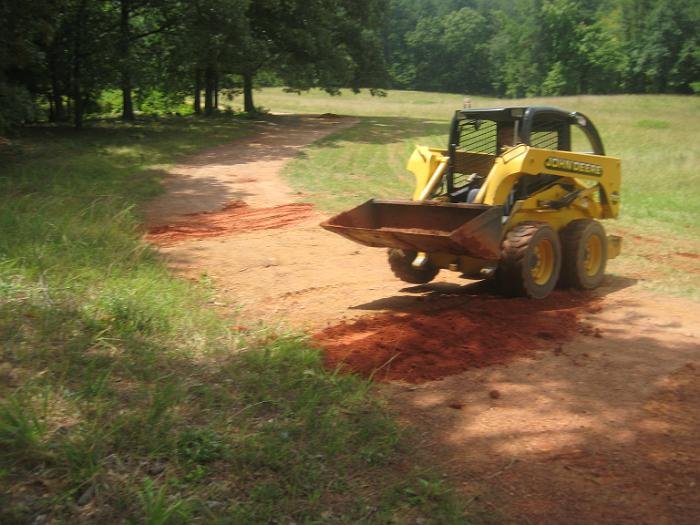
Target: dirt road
582,408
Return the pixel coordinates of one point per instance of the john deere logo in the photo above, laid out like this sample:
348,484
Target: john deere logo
584,168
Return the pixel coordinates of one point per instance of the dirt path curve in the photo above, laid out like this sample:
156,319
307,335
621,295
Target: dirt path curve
246,169
598,426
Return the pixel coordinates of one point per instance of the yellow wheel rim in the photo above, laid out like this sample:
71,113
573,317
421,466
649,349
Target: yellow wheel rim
593,256
542,266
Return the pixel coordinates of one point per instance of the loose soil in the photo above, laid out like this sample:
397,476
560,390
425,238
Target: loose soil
425,346
582,408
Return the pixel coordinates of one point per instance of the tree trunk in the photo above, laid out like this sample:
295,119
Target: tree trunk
77,91
78,102
58,112
209,90
216,92
127,103
198,91
248,105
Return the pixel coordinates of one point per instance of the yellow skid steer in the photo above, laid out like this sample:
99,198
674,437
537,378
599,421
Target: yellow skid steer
517,197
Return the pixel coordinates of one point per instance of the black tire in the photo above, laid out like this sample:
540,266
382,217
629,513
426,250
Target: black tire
401,262
530,261
584,254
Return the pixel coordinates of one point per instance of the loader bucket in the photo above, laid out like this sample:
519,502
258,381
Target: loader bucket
427,226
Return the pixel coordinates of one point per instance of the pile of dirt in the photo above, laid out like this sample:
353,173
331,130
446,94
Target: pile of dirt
235,217
420,347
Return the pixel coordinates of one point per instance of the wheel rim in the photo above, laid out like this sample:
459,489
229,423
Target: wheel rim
593,255
542,262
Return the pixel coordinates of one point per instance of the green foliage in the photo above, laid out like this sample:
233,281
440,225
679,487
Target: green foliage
200,445
110,102
459,40
547,47
329,44
153,102
16,106
155,57
664,46
555,82
157,52
22,426
157,508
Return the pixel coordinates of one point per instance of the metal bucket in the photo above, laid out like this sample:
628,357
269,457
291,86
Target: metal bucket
425,226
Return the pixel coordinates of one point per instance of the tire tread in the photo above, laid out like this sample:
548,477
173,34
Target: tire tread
514,250
400,263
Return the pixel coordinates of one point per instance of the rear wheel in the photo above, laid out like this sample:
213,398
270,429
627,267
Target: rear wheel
530,261
585,254
401,262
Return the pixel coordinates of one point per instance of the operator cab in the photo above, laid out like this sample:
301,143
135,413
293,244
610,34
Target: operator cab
478,136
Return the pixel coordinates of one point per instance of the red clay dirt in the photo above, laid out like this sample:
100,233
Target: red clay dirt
235,217
420,347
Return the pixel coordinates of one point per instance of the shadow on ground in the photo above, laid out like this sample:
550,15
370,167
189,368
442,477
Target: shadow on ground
602,428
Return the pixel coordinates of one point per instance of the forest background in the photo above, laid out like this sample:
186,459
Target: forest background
63,60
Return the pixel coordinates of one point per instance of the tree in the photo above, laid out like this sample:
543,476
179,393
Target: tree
82,48
206,45
70,51
451,52
316,43
665,47
23,35
141,13
516,52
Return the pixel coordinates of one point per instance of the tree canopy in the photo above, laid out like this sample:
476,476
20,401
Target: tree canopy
545,47
58,58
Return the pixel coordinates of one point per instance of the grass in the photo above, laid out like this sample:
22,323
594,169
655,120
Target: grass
361,162
124,398
651,134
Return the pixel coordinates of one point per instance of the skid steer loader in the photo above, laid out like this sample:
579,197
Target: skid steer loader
516,197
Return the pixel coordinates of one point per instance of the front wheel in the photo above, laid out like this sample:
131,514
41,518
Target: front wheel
401,262
530,261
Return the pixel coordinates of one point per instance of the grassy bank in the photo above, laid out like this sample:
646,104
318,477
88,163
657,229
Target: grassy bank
123,398
653,135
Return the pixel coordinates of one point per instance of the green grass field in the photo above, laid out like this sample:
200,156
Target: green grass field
651,134
123,397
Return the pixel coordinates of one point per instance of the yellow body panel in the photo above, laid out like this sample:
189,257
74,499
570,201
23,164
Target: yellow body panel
524,160
423,163
596,180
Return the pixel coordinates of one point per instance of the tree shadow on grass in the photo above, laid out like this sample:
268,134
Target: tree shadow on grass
127,407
